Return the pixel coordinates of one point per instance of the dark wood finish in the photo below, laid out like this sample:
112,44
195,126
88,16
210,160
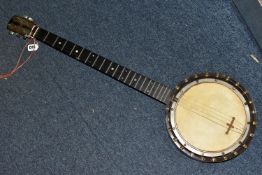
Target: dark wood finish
127,76
20,26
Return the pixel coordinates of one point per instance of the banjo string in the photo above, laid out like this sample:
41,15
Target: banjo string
210,118
223,115
236,126
214,117
212,109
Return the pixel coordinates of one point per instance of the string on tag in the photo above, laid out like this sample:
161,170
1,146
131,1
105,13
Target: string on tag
20,62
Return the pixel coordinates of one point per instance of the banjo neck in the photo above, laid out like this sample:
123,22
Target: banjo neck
114,70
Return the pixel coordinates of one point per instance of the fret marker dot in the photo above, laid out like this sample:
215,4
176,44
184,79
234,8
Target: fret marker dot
112,68
76,51
59,43
135,79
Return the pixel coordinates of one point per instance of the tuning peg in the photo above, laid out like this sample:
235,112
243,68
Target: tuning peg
11,33
29,18
17,35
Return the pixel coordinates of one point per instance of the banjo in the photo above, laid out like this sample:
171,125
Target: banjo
209,116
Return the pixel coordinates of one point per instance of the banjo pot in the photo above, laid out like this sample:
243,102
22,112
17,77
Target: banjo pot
211,117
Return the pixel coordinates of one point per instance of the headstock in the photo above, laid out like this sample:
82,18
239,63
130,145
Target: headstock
21,26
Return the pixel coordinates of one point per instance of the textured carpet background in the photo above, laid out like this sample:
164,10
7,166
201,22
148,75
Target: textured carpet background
58,116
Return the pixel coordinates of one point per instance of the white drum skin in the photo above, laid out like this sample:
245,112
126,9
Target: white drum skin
211,117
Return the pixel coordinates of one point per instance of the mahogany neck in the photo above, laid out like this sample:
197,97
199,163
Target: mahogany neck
130,78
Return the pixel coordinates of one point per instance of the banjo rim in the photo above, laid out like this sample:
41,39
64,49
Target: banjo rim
250,130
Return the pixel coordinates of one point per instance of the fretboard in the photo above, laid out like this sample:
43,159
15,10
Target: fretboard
131,78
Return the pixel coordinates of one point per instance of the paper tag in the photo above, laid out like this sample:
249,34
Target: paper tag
32,47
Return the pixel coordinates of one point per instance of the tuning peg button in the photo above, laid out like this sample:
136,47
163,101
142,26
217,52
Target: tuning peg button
16,34
29,18
11,33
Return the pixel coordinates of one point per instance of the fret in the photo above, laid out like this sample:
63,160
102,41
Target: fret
95,61
78,57
159,93
64,45
91,58
46,36
76,51
148,85
98,62
118,72
124,74
138,80
41,34
153,85
156,90
102,64
59,43
72,49
67,49
108,67
121,73
144,85
132,79
55,41
86,60
127,75
105,65
85,53
167,94
112,69
50,39
163,93
115,71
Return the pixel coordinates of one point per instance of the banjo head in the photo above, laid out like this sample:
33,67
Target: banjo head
211,117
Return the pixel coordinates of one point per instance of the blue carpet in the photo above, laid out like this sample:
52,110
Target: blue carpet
58,116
